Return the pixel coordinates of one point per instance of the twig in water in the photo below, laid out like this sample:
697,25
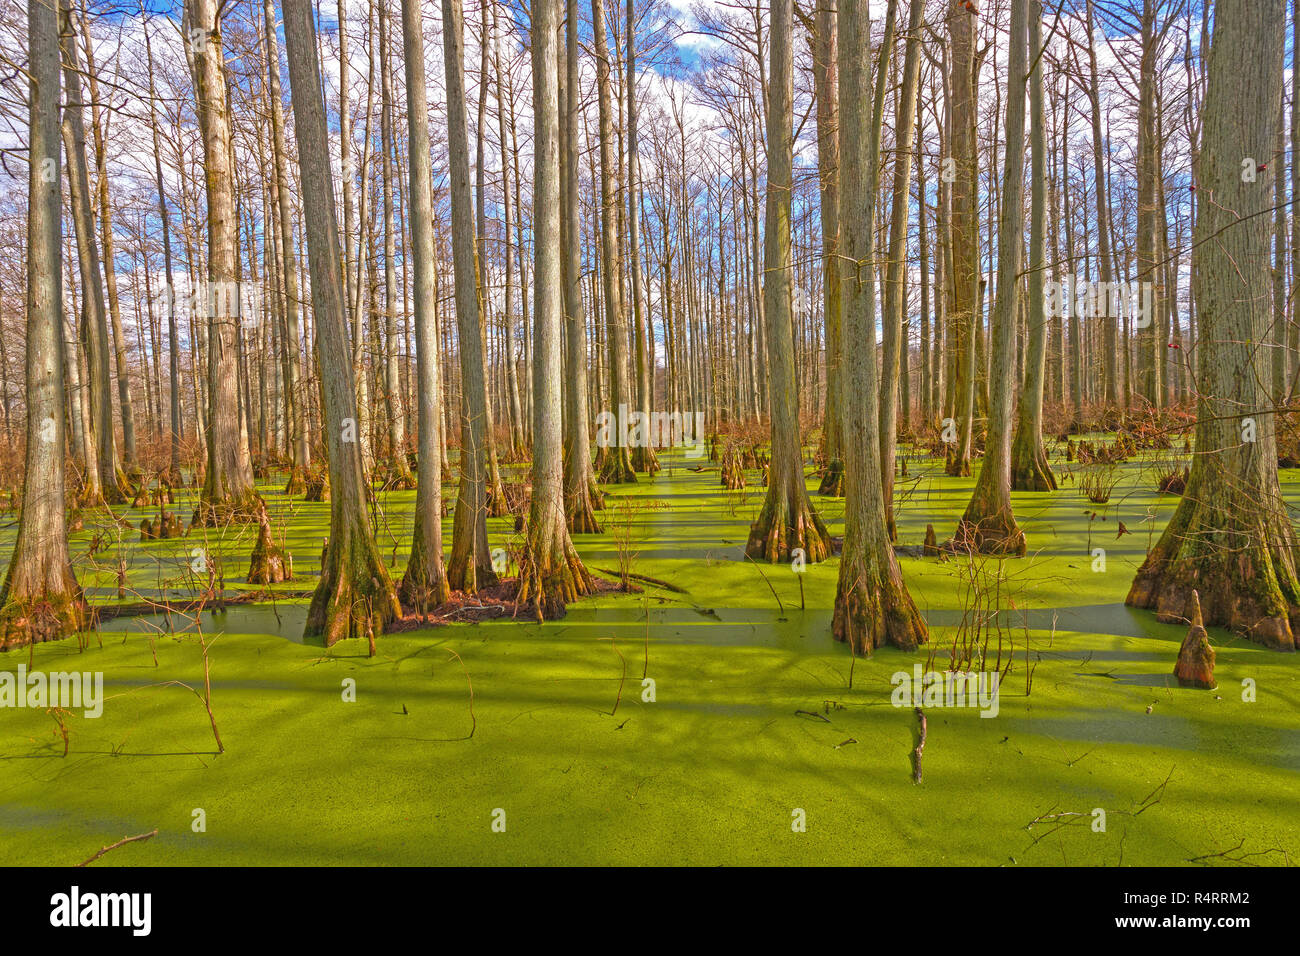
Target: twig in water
122,842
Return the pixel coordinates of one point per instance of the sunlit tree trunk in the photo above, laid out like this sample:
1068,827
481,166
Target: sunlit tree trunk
552,574
582,495
872,605
787,520
613,461
1030,469
989,524
228,491
470,566
1230,538
425,583
355,596
40,599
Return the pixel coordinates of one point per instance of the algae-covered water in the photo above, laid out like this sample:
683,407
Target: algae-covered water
721,725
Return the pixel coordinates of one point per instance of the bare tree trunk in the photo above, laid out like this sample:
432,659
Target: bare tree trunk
425,583
1230,538
110,270
399,474
355,596
787,521
228,491
40,599
613,461
294,397
552,574
582,497
894,342
826,80
1110,336
644,458
1030,469
872,604
169,291
962,173
988,524
106,486
470,567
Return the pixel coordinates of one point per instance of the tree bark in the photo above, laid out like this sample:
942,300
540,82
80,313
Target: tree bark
989,525
872,604
471,565
424,585
787,520
1230,538
551,574
1030,469
355,596
40,599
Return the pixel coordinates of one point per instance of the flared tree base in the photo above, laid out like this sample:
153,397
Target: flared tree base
424,586
614,467
316,486
645,461
218,513
788,522
874,608
37,618
996,534
956,465
354,598
1030,470
1244,576
296,484
580,513
551,575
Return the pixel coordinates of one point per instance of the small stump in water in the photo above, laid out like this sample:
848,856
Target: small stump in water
1195,667
931,547
270,563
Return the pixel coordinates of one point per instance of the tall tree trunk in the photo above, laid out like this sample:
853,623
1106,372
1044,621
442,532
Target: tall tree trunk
963,175
470,567
110,269
644,458
894,342
552,574
1110,328
1149,342
582,497
989,525
169,289
399,474
872,604
826,81
425,583
355,596
787,521
300,450
228,491
1030,469
613,461
106,486
1230,538
40,599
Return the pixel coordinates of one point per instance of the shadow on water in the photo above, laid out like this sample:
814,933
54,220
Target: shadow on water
280,620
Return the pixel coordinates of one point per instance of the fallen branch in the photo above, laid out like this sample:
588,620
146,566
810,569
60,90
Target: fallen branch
122,842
